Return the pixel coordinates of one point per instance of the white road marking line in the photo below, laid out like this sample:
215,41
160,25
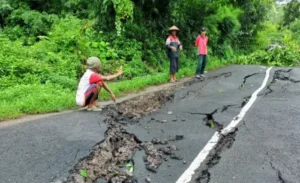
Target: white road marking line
187,175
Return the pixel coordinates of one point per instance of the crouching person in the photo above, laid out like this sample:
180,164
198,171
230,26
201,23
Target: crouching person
91,84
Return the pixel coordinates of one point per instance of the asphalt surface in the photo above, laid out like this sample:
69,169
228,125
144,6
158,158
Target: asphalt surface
267,145
203,97
265,149
44,150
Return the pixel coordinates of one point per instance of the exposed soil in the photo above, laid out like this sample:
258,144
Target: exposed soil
131,111
108,159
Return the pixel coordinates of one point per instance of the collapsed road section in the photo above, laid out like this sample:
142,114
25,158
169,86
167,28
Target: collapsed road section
149,124
155,137
111,157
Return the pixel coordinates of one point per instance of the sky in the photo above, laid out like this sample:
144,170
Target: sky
281,2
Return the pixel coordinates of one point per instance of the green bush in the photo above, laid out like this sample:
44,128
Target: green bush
286,56
44,45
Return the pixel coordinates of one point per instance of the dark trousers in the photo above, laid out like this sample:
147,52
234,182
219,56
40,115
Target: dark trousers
174,65
202,60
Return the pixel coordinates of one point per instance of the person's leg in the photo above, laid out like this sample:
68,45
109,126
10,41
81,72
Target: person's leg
91,95
172,69
94,97
199,66
176,67
203,64
99,86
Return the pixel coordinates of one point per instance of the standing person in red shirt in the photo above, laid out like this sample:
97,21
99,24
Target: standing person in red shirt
91,83
201,44
173,45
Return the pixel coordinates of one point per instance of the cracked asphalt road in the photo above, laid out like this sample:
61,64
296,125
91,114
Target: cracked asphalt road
265,148
42,151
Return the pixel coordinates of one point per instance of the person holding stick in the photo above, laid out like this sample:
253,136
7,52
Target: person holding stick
91,83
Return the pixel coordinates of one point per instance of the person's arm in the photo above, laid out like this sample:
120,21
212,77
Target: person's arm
197,42
180,45
111,77
168,45
113,97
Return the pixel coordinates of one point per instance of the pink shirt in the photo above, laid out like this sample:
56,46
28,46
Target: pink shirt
201,44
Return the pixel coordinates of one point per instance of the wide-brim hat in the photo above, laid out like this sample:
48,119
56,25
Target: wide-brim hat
174,28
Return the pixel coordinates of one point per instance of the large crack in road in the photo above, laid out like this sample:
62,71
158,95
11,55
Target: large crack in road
246,78
109,157
280,75
107,161
225,142
279,174
199,90
209,119
131,133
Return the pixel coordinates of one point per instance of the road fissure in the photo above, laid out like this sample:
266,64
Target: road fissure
217,139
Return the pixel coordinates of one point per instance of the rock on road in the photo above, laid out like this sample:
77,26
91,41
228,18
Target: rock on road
265,147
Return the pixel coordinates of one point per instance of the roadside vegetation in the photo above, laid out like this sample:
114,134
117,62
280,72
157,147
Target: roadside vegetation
44,45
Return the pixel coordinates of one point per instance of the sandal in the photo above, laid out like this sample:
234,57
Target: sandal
94,109
99,106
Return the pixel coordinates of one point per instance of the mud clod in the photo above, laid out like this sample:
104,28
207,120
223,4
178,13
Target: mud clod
159,141
177,137
168,150
153,157
148,179
175,157
162,121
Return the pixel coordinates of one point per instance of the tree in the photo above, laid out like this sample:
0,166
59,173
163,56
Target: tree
291,12
252,19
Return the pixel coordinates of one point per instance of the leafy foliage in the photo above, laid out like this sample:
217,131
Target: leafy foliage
287,56
44,44
291,12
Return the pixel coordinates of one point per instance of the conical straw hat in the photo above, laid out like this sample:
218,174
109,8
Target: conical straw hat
174,28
